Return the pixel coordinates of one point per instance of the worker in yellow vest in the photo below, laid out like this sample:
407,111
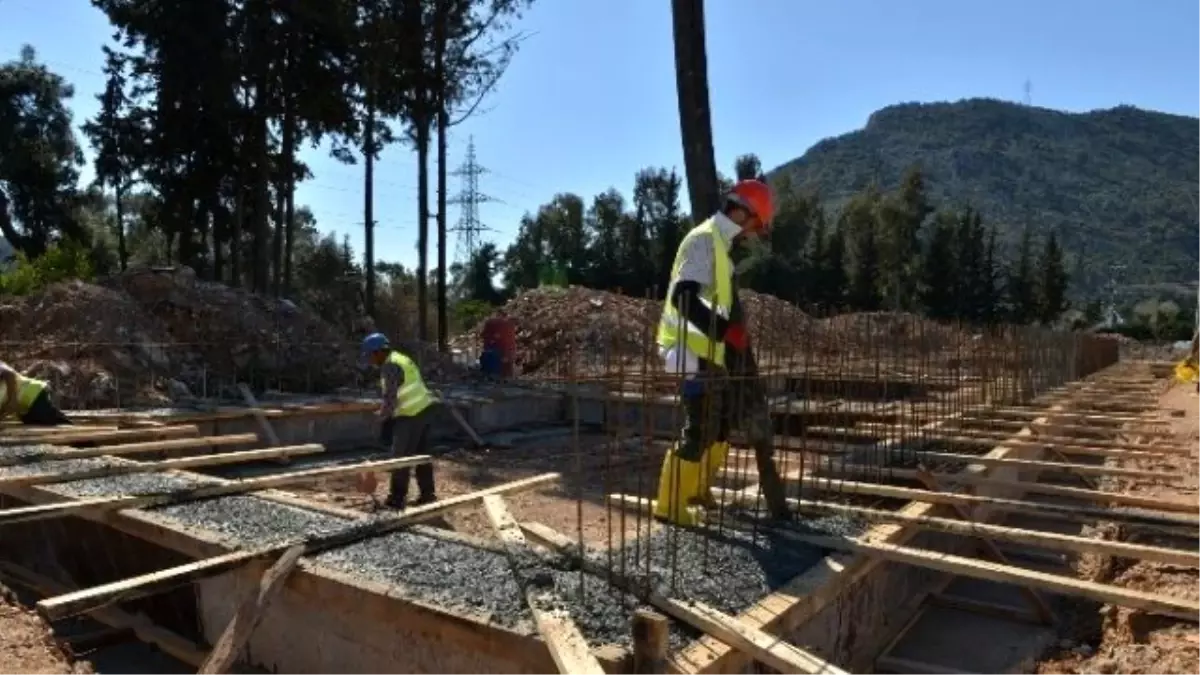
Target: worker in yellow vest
27,399
701,333
404,415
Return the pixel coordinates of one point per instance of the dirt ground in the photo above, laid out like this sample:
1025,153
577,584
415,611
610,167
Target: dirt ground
1119,640
577,498
26,643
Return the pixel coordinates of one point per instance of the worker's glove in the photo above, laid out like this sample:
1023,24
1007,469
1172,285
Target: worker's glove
735,336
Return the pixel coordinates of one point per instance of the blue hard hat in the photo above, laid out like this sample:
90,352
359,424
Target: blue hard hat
373,343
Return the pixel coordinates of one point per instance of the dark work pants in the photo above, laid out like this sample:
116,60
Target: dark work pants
43,412
706,415
408,436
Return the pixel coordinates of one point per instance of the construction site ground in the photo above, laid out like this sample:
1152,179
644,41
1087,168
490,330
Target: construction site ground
460,471
1119,640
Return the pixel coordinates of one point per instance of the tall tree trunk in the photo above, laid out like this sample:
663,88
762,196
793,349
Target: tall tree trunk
369,204
695,120
443,121
119,204
422,123
289,230
220,236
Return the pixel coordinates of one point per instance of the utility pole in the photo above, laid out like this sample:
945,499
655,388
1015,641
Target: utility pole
469,227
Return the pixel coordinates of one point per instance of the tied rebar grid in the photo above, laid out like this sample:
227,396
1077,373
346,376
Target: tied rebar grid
834,399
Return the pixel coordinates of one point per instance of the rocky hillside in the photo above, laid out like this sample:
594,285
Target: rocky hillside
1118,185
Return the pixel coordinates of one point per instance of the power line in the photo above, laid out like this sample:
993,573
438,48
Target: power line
469,227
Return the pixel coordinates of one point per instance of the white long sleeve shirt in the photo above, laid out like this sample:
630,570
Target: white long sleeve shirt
697,264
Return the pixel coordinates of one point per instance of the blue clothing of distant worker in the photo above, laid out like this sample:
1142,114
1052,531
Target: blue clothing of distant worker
404,412
491,362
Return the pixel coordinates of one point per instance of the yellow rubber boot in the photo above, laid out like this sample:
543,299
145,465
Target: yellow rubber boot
678,482
712,461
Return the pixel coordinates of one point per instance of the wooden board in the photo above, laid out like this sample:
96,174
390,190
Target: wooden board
239,629
567,645
103,437
57,454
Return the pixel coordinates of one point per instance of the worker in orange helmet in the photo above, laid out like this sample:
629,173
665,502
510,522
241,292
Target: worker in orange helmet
702,338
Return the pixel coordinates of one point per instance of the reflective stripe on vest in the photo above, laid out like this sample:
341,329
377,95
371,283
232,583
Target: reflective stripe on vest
718,297
413,397
27,390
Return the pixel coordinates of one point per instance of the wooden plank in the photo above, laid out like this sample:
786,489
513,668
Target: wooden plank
1071,512
170,643
769,649
1043,608
1179,608
567,645
263,423
1078,469
26,514
239,629
465,427
1070,446
57,454
762,646
102,437
1096,496
1046,540
161,466
981,607
911,667
154,582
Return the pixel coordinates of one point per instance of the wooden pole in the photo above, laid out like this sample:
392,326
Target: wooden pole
161,466
154,582
651,631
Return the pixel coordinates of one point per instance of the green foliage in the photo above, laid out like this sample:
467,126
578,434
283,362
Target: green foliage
58,263
883,251
468,313
1116,185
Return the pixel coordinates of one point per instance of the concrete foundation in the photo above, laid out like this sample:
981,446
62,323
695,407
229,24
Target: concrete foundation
328,621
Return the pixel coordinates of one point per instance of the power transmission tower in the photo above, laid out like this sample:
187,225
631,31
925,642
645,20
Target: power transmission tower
469,227
1028,92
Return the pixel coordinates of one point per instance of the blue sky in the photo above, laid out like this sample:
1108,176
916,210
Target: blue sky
590,98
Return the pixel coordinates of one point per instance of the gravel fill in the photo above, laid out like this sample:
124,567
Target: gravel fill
729,569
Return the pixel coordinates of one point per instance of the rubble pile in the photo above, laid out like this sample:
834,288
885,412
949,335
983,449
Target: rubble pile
897,333
150,336
583,327
95,345
226,332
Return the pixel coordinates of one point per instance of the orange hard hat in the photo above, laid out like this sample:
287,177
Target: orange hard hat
756,197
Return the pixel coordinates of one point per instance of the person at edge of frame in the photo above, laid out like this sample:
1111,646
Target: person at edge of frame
404,415
702,302
27,399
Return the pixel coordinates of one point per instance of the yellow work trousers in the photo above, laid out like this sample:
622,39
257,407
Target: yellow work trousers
683,484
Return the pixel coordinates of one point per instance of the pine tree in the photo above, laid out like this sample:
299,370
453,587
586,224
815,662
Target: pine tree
1052,277
1022,287
939,271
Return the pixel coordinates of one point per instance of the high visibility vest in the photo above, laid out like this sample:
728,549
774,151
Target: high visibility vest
27,390
718,297
413,396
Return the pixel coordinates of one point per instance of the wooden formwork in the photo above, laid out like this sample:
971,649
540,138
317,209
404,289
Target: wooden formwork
962,504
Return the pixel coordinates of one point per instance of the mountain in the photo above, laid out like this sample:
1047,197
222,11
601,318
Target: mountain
1119,186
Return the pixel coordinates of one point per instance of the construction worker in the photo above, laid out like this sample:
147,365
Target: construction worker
404,416
701,335
27,399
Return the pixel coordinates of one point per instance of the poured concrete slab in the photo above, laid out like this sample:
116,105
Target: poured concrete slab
969,642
